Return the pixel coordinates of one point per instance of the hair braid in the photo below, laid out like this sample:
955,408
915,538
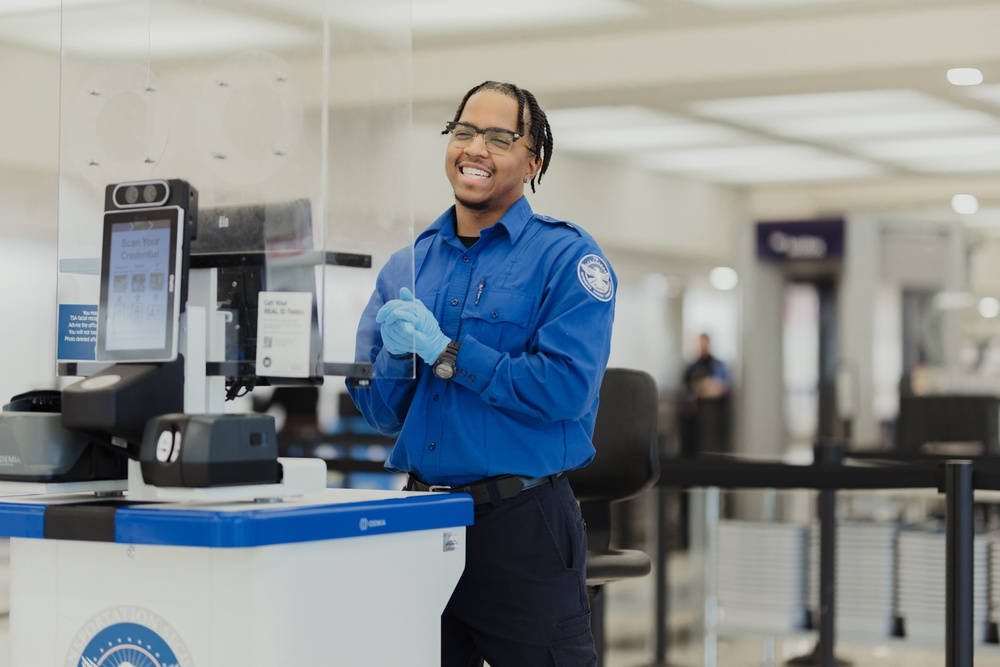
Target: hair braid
539,130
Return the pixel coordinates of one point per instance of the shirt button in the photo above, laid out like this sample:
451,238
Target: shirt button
472,378
492,400
462,373
465,259
432,446
454,302
437,396
494,314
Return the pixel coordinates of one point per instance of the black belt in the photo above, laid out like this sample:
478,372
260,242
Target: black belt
493,490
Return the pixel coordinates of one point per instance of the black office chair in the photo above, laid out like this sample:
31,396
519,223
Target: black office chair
626,464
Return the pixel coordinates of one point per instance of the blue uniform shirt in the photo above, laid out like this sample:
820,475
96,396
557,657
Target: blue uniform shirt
532,303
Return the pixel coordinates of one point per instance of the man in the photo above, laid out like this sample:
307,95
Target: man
508,342
704,411
706,376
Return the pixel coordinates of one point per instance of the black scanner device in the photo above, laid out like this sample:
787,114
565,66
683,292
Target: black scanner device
198,451
35,448
115,404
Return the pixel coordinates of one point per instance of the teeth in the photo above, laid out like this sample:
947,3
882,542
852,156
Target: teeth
473,172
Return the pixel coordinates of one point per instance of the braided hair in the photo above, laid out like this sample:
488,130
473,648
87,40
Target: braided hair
538,124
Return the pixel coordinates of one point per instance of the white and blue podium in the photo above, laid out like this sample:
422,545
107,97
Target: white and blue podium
343,577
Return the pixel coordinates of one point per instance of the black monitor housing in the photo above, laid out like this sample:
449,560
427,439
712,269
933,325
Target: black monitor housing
147,232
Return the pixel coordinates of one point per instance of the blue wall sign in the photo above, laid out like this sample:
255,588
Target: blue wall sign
77,332
801,241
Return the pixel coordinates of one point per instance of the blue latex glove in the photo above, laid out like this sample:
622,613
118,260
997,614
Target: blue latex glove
397,326
408,326
398,338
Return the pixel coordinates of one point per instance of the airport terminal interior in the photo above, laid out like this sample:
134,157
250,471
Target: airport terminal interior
800,200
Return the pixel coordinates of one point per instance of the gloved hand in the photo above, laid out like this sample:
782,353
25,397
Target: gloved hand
398,338
408,326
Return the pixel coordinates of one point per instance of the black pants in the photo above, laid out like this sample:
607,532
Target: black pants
522,599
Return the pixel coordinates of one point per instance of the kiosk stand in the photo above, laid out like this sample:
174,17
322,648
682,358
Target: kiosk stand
345,577
218,553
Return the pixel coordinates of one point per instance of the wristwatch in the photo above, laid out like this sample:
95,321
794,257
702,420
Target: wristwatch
444,367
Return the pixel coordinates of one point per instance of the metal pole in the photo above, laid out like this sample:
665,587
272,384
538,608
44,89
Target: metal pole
826,453
660,574
710,566
827,577
958,563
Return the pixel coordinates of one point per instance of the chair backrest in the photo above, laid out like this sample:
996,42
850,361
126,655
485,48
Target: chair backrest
625,436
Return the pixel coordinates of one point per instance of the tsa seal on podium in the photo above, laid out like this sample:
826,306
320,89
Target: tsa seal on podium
127,635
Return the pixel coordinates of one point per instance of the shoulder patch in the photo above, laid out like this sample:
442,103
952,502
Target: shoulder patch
595,276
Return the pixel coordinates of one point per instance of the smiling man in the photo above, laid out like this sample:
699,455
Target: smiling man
506,338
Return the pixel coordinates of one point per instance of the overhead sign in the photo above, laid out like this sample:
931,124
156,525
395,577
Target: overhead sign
801,241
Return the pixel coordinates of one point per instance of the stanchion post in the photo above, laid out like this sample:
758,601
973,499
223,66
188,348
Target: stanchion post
827,576
959,536
826,452
661,577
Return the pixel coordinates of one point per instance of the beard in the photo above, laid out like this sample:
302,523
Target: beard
473,205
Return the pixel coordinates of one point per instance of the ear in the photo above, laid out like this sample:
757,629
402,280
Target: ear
534,164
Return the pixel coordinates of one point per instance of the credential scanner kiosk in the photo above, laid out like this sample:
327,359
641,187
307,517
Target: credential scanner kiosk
210,551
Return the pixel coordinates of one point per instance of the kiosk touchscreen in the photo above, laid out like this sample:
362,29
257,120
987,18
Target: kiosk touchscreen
141,274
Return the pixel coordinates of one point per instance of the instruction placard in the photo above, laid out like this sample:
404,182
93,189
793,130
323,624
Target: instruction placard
77,332
284,321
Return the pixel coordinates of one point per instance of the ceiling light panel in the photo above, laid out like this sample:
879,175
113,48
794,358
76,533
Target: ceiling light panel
448,17
851,126
616,129
930,147
759,164
768,4
41,6
759,109
989,93
181,31
954,164
850,116
653,137
593,117
452,16
946,155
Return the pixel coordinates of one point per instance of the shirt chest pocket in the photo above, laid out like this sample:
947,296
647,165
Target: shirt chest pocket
501,319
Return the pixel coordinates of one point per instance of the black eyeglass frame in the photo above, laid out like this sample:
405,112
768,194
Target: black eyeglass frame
452,125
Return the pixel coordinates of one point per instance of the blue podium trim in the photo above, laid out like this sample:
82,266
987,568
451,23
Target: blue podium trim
261,527
141,524
22,520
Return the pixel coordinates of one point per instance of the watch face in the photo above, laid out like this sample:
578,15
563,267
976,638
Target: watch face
445,371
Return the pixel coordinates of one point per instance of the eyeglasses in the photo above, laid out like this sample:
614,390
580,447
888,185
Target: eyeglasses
498,141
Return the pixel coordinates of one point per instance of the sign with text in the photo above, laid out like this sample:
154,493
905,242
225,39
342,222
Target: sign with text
77,332
284,321
801,241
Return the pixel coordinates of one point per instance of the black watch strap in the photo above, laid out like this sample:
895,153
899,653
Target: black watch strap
444,367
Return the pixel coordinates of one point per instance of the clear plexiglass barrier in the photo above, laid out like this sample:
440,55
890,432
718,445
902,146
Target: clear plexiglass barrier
273,132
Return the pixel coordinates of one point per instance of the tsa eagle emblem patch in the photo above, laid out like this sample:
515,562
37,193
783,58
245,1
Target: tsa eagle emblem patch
595,276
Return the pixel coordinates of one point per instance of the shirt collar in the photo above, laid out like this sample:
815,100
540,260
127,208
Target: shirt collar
514,220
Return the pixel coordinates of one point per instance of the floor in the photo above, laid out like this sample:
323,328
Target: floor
631,638
630,635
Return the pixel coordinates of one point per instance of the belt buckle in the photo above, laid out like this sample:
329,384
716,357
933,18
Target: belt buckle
439,488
